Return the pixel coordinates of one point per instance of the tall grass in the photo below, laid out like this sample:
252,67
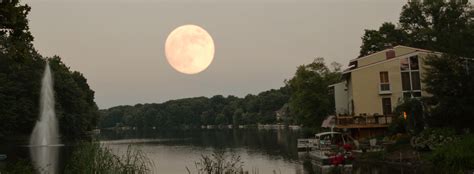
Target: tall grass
93,158
220,162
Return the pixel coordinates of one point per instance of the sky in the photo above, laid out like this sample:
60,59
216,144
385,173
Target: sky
119,44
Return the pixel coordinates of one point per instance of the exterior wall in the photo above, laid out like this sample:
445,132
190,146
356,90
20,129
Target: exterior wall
341,99
365,83
365,86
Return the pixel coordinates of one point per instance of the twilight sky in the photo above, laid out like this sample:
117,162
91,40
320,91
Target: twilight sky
119,44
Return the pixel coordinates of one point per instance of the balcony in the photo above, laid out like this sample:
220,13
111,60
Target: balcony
384,89
363,121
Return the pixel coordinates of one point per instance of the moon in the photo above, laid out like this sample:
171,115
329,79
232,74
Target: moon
189,49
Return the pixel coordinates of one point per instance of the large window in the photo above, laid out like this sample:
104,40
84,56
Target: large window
411,82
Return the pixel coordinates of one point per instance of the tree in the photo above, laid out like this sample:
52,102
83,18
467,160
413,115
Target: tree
445,26
450,81
310,100
387,36
21,68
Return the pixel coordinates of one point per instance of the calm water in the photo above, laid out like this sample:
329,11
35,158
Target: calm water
174,150
264,151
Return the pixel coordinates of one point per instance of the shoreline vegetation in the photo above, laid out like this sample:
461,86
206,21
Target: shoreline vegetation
93,157
229,126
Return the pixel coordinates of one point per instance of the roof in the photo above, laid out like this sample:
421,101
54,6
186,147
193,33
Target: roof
383,61
416,49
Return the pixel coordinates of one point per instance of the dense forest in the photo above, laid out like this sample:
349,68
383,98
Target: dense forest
304,100
216,110
21,69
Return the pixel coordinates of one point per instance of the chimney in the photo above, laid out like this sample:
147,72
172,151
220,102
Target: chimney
390,54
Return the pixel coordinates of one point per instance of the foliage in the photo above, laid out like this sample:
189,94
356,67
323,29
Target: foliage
457,157
217,110
387,36
21,68
398,125
450,80
18,167
310,100
415,122
95,158
445,26
432,139
219,163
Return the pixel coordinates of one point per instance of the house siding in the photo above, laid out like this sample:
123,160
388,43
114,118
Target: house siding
364,82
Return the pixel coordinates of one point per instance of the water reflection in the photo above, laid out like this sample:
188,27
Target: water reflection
265,151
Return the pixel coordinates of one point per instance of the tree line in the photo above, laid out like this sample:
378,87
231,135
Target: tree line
304,99
216,110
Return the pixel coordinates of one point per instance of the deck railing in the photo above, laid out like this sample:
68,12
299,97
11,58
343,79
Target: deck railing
364,121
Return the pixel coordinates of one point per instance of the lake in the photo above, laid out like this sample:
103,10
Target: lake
261,151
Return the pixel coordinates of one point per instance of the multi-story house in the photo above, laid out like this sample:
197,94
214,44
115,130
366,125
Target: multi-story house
374,85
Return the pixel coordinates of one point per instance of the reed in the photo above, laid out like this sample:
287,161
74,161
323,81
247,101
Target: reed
95,158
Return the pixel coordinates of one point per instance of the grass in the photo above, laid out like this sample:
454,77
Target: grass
220,162
91,158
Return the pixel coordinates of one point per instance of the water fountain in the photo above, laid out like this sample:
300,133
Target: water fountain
44,140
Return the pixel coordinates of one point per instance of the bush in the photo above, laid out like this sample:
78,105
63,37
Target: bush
455,158
431,139
414,123
397,126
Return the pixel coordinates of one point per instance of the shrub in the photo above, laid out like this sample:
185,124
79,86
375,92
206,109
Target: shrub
455,158
431,139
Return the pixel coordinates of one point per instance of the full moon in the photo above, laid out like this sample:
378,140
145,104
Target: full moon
189,49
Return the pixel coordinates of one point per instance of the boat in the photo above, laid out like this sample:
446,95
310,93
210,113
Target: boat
305,144
330,149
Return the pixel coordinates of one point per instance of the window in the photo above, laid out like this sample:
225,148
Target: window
414,62
384,82
404,66
415,79
384,77
411,82
386,106
406,85
411,94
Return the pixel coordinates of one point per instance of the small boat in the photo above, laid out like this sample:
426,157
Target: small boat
331,149
3,157
306,144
